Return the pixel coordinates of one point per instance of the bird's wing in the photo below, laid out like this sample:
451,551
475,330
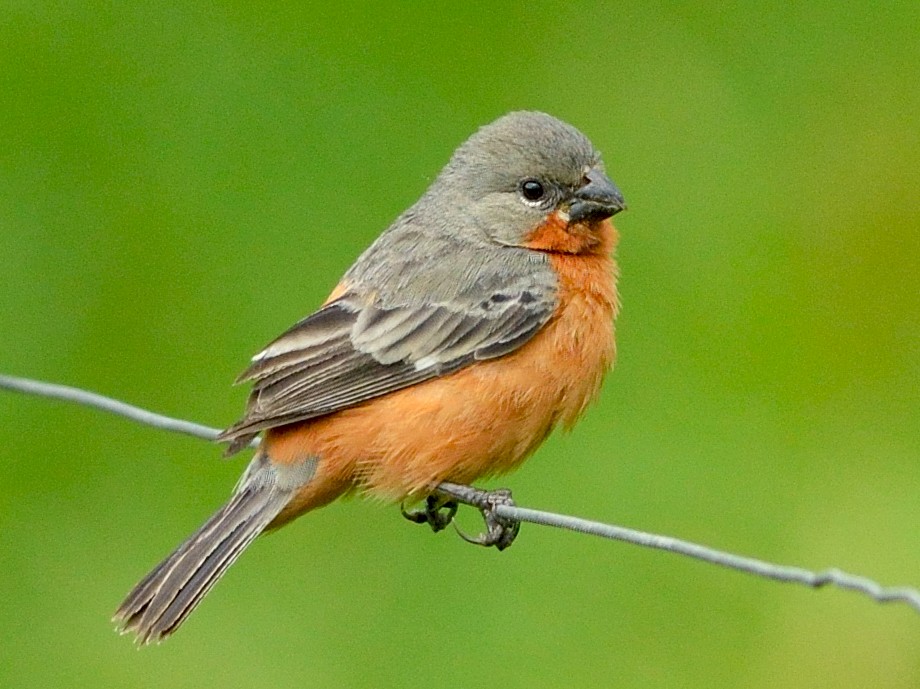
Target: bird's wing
353,350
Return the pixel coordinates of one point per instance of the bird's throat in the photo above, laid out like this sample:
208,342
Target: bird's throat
558,235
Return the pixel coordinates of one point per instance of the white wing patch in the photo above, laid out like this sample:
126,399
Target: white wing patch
427,362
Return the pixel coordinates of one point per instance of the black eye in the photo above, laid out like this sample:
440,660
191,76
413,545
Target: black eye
532,190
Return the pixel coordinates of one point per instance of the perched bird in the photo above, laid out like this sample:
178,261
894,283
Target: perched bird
480,320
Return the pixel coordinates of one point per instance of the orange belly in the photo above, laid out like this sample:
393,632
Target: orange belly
482,420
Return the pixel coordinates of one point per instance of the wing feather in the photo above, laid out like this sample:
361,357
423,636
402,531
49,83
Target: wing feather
352,351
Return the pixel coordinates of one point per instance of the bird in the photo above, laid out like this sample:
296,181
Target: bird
478,322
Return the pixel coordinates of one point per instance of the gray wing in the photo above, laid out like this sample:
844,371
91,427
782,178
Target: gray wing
353,350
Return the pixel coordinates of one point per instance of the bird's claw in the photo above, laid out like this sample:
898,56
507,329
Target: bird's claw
437,513
500,532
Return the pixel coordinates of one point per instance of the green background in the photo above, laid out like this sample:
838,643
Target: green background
180,183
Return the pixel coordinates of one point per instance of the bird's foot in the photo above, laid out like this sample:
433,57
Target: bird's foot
438,512
500,531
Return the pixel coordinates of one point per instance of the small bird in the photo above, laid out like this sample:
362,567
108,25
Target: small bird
481,319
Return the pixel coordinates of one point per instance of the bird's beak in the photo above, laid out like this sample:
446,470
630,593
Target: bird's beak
598,199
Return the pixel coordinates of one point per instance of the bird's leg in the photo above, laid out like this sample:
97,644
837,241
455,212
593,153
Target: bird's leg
500,531
437,513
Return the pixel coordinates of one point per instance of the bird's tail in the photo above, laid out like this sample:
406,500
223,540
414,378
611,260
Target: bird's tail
164,598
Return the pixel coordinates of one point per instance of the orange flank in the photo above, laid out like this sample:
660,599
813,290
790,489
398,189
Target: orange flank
482,420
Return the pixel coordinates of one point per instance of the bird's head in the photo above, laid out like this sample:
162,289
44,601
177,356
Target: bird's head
530,180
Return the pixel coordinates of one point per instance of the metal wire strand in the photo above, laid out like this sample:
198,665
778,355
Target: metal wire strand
748,565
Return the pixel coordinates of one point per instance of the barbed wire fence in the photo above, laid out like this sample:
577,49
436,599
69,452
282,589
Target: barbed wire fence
748,565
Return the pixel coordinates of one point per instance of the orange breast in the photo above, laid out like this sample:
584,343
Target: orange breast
484,419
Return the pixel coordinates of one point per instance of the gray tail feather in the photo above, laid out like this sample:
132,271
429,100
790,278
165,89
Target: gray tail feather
164,598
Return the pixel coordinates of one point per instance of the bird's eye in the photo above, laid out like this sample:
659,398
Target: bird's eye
532,190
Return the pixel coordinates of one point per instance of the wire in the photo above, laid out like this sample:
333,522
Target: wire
748,565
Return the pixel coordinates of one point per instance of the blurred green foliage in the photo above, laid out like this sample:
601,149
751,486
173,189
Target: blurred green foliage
178,183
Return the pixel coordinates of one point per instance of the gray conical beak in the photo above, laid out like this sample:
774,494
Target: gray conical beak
599,198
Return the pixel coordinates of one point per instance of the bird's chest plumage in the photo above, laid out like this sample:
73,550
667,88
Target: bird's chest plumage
493,415
484,419
581,346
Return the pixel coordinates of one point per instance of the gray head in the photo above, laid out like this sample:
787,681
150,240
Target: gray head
512,174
